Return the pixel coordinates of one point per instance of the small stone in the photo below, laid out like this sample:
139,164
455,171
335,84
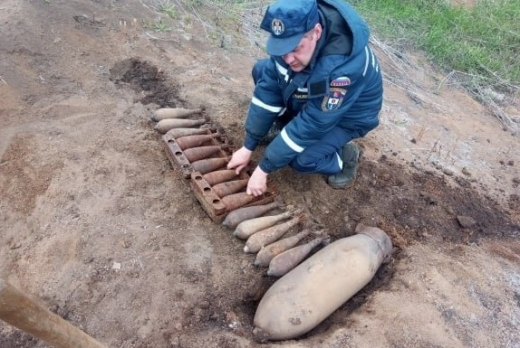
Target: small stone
448,171
259,335
511,163
466,172
116,266
232,320
15,246
466,221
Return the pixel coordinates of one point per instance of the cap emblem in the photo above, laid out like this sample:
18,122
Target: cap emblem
277,27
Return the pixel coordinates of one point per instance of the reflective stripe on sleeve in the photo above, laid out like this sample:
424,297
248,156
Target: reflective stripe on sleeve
265,106
295,147
283,71
367,60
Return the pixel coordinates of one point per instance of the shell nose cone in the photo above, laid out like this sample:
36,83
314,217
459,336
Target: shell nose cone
380,237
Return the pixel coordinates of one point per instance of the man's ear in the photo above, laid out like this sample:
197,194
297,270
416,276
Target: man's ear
318,29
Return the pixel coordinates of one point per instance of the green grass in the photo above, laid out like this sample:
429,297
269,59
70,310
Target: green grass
168,10
482,40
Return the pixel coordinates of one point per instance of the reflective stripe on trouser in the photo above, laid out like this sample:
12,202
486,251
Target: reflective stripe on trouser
322,157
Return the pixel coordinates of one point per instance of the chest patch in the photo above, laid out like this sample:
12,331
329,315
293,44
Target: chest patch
300,95
333,100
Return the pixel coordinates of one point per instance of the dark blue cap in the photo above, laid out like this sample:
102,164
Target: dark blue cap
287,21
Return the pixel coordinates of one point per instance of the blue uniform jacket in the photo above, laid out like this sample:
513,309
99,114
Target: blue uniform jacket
341,87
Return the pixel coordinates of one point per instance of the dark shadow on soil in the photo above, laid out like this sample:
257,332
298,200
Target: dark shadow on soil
146,79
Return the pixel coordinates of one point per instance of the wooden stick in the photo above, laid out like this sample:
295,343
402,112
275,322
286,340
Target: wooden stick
22,312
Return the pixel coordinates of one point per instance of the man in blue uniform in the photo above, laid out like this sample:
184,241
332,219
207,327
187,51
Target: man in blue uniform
321,86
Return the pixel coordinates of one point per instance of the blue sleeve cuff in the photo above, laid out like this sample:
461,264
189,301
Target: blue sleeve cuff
266,166
250,143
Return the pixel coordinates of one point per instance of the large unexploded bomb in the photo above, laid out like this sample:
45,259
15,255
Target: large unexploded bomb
237,200
201,152
309,293
209,164
284,262
248,227
227,188
164,113
267,253
270,234
237,216
168,123
220,176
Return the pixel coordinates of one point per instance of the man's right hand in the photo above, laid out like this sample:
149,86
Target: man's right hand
240,159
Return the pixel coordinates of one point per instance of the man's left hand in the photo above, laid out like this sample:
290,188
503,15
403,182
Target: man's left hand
257,183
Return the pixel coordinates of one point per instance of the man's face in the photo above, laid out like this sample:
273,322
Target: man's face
299,58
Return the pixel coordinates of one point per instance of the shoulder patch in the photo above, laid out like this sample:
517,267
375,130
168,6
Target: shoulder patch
333,99
341,81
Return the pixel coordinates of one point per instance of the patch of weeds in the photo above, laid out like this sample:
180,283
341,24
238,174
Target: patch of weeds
195,3
169,10
161,27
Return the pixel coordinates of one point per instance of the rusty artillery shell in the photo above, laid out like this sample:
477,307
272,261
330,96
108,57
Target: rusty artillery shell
287,260
190,141
209,164
237,200
183,132
219,176
164,113
269,235
237,216
267,253
249,227
227,188
168,123
201,152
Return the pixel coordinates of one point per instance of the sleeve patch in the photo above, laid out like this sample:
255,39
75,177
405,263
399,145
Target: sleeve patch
341,81
333,100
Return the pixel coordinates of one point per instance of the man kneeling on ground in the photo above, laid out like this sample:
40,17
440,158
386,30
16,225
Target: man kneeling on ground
320,89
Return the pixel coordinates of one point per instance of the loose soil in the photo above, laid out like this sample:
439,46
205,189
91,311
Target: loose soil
98,226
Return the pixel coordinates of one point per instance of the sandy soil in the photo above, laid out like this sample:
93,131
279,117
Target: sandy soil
98,226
